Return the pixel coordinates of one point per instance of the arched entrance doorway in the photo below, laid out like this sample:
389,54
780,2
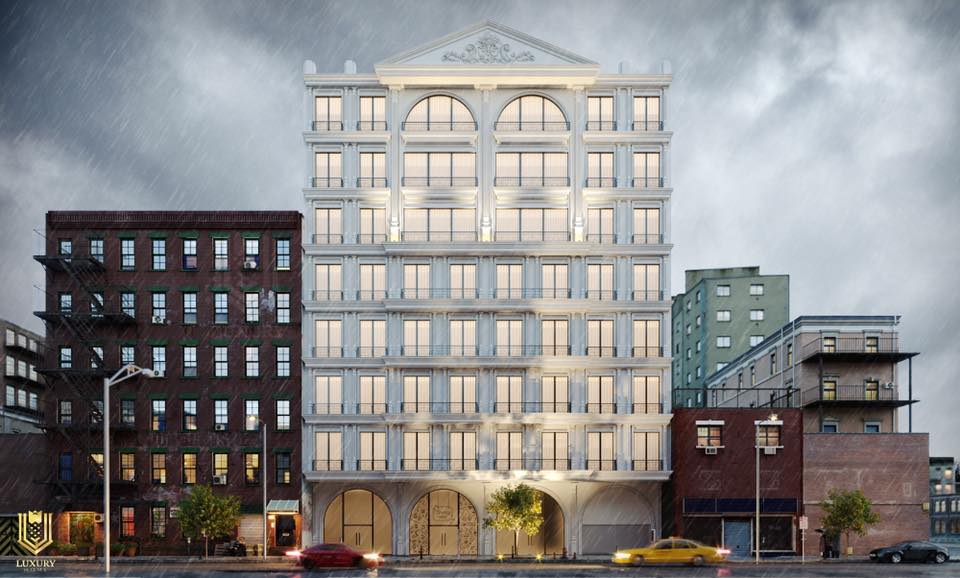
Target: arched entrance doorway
361,519
548,541
443,523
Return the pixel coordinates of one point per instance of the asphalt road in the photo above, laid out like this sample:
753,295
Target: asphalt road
491,570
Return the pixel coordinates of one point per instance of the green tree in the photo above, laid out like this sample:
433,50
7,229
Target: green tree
516,508
846,512
206,515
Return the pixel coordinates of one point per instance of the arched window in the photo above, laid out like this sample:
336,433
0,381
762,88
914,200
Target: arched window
534,113
439,113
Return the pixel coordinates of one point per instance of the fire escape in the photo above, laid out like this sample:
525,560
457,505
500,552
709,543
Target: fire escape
80,379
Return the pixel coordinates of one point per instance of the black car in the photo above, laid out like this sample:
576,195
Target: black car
911,552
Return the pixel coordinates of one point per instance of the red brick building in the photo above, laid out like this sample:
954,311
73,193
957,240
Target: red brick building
891,469
210,301
713,485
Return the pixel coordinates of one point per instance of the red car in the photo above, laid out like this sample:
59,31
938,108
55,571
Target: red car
325,555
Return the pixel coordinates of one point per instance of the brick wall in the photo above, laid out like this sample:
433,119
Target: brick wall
890,469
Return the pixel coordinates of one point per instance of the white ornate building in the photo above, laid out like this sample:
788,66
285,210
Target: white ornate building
486,288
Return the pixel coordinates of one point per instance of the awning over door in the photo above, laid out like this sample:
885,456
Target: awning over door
283,507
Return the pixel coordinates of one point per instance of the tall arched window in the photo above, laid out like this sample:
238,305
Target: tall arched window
439,113
532,112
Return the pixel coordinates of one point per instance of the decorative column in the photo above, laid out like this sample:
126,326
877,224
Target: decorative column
396,158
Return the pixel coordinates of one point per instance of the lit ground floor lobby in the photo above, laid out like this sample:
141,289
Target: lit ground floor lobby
446,517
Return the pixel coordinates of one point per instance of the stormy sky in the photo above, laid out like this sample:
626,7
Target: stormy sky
815,139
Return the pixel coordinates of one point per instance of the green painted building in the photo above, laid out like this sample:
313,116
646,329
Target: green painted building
722,314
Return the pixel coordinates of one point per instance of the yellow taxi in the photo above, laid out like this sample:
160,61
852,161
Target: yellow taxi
672,551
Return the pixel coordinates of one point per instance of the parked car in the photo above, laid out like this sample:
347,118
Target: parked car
672,551
326,555
911,552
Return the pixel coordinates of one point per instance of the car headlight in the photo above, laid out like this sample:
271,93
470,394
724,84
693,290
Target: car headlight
723,552
621,555
372,556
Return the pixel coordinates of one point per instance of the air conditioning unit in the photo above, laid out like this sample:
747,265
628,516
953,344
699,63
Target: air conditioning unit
220,427
158,320
98,518
251,264
710,451
158,374
770,450
888,385
219,480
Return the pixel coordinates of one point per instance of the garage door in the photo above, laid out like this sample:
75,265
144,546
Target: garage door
251,529
615,518
605,538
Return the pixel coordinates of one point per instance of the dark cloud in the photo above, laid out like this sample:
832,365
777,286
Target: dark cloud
818,139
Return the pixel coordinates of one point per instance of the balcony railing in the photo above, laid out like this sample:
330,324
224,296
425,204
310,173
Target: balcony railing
547,293
327,465
647,408
547,464
371,125
456,407
371,294
546,407
533,126
371,238
856,392
602,238
531,236
416,407
416,351
601,407
647,351
424,293
647,465
439,181
509,293
508,407
440,465
439,126
647,239
327,238
647,182
648,295
328,295
851,345
371,182
600,182
648,125
604,125
456,350
439,236
371,465
416,464
531,350
371,408
602,465
507,464
601,351
328,351
327,125
531,181
371,351
327,408
602,294
327,182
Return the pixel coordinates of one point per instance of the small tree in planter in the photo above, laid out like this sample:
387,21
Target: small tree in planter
846,512
204,515
516,508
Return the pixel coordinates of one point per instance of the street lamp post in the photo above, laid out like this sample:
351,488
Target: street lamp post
125,372
772,420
